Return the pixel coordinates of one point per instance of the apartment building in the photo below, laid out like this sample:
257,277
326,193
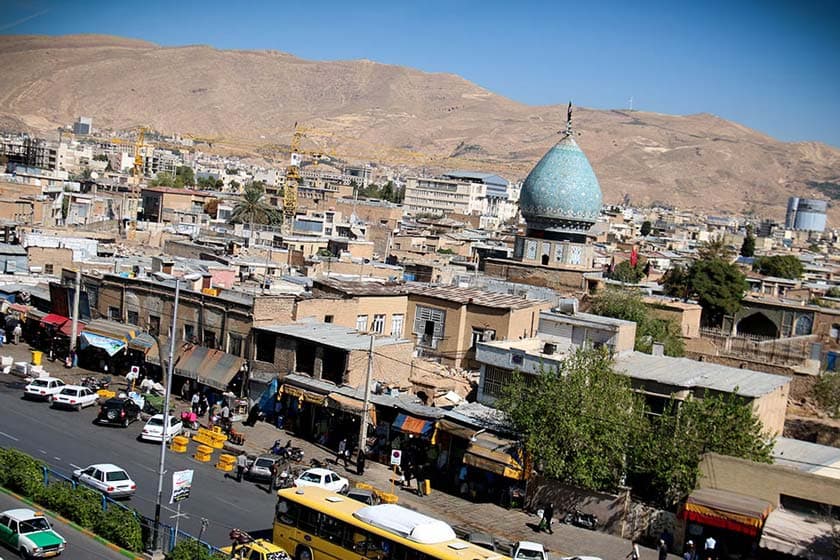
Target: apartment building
458,192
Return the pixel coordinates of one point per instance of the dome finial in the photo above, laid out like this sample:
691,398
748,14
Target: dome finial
569,119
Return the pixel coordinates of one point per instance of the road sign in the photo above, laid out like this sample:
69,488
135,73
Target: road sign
181,485
396,457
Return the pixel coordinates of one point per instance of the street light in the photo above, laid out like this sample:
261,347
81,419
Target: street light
162,276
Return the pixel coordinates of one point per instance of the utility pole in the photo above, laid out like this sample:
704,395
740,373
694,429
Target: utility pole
74,328
364,422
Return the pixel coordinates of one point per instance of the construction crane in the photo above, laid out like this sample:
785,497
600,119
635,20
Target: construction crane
138,160
290,187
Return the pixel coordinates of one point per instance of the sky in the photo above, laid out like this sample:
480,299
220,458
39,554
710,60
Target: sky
770,65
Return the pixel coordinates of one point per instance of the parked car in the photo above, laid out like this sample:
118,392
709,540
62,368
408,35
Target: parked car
368,497
154,430
484,540
580,558
323,478
260,469
74,396
30,534
42,388
245,547
108,479
118,411
527,550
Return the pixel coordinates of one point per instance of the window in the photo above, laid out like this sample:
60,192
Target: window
397,325
154,324
428,325
378,324
265,344
494,379
328,318
189,332
133,318
114,313
235,344
48,269
361,323
209,338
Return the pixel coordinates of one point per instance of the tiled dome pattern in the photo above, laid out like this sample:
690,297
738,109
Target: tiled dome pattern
561,188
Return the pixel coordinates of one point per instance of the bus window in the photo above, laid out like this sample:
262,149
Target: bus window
332,529
287,512
309,521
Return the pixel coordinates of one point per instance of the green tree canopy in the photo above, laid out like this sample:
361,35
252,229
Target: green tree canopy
646,228
252,209
628,305
677,282
748,246
827,393
627,273
781,266
715,249
186,176
719,287
576,420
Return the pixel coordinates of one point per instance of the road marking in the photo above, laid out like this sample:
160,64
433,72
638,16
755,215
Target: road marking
75,466
232,504
13,438
57,458
42,452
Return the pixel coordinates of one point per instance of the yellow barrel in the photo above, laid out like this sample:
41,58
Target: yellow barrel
224,466
106,394
227,458
389,498
37,356
203,453
179,444
204,449
364,486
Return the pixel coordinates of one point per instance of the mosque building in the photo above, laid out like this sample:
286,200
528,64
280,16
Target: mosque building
560,201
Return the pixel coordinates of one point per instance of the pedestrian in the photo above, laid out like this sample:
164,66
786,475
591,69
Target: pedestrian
342,446
17,333
545,522
195,403
360,461
662,549
690,553
709,552
225,414
634,552
275,472
418,477
204,405
241,463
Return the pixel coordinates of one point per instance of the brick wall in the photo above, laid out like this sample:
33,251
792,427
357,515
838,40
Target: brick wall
535,276
274,309
56,257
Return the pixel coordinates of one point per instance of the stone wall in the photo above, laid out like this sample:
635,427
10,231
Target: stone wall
563,280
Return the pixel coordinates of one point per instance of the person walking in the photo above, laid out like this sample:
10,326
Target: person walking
339,455
690,553
241,463
360,461
662,549
17,333
545,522
275,473
634,552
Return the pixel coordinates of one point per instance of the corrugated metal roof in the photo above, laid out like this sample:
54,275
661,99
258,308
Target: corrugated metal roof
805,456
330,334
361,288
689,374
465,296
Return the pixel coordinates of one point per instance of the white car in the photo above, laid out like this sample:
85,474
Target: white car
527,550
153,430
74,396
323,478
43,388
107,478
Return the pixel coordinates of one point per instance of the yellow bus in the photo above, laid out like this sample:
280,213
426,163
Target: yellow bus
315,524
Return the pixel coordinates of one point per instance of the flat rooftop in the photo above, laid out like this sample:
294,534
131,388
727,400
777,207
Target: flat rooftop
473,296
330,334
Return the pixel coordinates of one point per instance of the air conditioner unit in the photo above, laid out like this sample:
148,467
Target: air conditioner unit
567,306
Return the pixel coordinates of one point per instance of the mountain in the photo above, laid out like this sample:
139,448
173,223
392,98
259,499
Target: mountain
400,115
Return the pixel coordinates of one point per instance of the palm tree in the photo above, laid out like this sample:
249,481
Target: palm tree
252,209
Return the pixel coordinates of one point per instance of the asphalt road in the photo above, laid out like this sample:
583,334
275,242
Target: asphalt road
79,547
66,440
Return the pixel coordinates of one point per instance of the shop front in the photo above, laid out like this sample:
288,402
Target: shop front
495,470
103,346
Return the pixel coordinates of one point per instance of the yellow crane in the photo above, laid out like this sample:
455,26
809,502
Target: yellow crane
138,159
290,186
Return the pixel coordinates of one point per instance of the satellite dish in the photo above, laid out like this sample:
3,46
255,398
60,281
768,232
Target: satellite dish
94,175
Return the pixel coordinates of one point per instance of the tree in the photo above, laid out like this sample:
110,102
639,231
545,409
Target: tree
665,457
186,176
627,273
576,420
162,180
827,393
629,306
646,228
715,249
252,209
677,282
748,246
780,266
719,286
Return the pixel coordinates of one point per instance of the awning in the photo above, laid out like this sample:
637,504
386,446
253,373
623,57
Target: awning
54,320
19,307
457,430
112,329
208,366
496,455
110,345
726,510
142,342
303,394
351,405
798,535
412,425
67,328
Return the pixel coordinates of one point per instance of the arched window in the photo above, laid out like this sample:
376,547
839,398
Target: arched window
545,260
804,325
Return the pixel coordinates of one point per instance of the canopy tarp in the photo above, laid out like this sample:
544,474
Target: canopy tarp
67,328
208,366
110,345
797,535
412,425
727,510
351,405
496,455
142,342
456,429
54,320
112,329
303,394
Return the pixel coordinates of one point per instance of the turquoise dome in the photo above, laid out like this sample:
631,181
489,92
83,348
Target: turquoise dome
561,192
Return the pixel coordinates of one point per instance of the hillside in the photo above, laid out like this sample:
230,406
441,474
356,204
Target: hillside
393,113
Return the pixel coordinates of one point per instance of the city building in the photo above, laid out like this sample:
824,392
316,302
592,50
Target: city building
459,192
806,214
83,126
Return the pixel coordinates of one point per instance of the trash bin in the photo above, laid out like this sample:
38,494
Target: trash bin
37,356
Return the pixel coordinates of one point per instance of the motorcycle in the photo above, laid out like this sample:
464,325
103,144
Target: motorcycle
96,384
287,452
581,519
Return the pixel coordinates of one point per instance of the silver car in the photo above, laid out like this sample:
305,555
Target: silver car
260,469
